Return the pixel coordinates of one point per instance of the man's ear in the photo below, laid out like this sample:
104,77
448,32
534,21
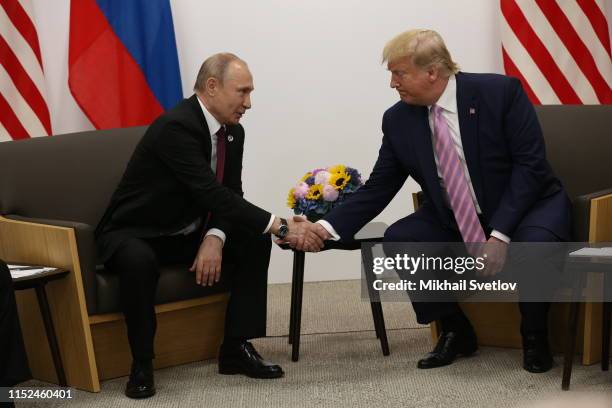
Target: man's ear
433,73
212,85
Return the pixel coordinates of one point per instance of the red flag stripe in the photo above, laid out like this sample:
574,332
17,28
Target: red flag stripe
10,121
24,84
598,21
129,101
576,47
538,52
24,25
512,70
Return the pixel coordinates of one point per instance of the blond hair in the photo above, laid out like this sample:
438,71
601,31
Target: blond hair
215,66
424,48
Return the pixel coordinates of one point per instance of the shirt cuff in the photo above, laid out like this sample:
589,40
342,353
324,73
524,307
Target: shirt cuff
272,218
328,227
217,233
500,236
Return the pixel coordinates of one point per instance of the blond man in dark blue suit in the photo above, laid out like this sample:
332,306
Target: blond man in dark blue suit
474,145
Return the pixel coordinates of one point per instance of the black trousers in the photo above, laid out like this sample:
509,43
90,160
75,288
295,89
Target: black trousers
137,262
424,226
13,359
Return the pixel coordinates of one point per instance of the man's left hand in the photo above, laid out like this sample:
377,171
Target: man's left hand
494,252
207,264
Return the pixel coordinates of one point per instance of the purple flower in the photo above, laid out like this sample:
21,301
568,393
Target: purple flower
330,193
322,177
301,189
315,171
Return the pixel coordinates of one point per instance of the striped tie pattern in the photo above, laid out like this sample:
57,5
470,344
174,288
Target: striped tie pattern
455,181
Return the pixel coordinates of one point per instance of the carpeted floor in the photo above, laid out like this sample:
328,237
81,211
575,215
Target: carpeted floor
341,365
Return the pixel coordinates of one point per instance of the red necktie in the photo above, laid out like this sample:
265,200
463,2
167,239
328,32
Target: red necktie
220,154
220,167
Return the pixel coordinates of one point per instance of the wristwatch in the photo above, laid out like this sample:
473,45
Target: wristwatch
283,229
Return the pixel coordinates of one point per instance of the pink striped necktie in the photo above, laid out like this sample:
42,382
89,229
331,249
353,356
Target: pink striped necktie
455,181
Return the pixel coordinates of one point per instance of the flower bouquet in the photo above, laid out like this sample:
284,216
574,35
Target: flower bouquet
323,189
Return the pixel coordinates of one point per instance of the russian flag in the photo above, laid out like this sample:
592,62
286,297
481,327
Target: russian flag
123,65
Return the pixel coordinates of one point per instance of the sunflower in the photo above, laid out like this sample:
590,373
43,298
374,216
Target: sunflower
339,180
315,192
291,199
337,169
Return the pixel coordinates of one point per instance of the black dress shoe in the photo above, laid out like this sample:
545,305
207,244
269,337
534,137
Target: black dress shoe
450,345
537,357
141,383
242,358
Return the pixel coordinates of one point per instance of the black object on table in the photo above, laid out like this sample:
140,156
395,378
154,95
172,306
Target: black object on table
297,286
38,282
597,264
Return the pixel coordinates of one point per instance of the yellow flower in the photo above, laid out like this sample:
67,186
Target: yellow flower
339,168
315,192
309,174
291,199
339,180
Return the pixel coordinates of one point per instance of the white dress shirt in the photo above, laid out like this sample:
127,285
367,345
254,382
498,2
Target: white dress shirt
448,103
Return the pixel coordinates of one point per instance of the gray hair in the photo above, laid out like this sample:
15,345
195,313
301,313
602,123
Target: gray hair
424,48
215,66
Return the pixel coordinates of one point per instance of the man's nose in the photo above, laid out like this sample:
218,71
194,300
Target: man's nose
393,83
247,102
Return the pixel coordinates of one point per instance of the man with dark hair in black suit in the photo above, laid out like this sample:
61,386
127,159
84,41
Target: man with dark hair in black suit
13,360
184,182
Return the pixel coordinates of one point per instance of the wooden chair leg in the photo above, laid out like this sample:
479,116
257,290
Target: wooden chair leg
572,329
379,320
376,306
570,346
375,318
43,302
293,298
295,346
605,336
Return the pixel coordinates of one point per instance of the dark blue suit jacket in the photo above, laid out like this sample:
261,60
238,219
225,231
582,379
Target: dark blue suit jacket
504,152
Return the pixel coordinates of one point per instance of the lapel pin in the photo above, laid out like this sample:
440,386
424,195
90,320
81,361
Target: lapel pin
472,111
230,138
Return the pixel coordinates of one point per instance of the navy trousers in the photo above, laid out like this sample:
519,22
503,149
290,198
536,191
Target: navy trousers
424,226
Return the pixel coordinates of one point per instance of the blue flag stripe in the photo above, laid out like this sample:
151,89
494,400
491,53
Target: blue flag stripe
145,28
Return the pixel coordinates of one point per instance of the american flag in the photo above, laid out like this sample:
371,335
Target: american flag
23,107
559,49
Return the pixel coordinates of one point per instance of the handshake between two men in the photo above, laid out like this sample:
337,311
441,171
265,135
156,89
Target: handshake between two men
304,235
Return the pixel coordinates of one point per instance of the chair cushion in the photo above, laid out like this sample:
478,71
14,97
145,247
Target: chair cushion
176,283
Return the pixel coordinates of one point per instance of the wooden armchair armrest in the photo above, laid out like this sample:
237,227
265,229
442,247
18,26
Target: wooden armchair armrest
601,218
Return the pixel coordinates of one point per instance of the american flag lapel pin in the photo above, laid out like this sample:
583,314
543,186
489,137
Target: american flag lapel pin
472,111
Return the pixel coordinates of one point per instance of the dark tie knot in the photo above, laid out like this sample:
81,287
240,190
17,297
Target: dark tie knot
221,132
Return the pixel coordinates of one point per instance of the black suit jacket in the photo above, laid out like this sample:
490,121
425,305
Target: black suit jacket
169,183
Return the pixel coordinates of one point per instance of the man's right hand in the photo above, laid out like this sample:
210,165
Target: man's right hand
304,235
207,264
